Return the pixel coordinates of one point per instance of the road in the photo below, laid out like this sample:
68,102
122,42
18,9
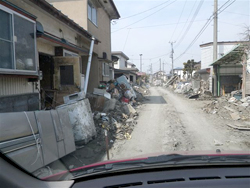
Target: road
170,122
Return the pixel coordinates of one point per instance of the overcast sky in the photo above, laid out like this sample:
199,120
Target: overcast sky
147,26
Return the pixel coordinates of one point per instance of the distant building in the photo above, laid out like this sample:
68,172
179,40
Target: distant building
179,71
123,67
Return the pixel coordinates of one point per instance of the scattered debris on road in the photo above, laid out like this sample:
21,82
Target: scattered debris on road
230,108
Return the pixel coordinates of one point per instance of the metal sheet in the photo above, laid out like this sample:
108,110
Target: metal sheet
61,149
33,160
59,133
69,141
14,85
15,143
15,125
57,125
47,133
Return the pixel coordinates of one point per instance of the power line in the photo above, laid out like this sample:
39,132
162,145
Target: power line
126,40
144,17
162,25
204,27
192,20
186,21
179,20
143,11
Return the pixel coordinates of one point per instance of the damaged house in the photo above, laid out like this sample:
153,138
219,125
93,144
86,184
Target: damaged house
231,71
94,16
45,53
42,55
206,72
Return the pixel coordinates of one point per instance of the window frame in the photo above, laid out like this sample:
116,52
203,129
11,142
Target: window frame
103,69
14,70
91,19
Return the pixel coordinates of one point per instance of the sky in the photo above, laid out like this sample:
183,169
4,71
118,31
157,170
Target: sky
148,26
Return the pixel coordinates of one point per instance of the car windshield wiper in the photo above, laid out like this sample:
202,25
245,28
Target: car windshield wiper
174,159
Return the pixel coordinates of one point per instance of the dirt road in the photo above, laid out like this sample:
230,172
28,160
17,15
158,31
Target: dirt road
170,122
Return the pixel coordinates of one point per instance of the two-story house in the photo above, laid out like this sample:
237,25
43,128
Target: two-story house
123,67
95,16
40,57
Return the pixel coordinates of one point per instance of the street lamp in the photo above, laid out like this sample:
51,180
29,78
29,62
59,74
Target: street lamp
140,62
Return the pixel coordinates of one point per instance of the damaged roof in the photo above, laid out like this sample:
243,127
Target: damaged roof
232,56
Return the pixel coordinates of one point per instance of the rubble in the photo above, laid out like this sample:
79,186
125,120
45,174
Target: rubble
118,114
230,108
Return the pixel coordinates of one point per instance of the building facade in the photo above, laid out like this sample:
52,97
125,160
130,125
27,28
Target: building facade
95,17
123,67
41,48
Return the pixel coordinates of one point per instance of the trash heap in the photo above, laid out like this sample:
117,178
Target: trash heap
231,108
191,92
114,107
119,122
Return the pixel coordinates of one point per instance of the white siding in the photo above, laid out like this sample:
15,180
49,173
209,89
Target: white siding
121,62
14,85
207,54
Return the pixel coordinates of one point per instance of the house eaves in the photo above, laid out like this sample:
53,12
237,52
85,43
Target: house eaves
43,4
120,53
110,8
232,56
222,43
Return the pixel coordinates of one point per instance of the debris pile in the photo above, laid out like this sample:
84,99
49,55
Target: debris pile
114,107
191,92
230,108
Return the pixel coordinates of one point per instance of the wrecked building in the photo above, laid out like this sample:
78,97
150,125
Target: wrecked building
95,17
230,72
50,47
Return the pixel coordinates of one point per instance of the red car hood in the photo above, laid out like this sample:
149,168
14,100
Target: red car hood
142,157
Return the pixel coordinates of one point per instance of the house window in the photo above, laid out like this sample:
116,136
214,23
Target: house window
17,42
105,69
66,75
92,13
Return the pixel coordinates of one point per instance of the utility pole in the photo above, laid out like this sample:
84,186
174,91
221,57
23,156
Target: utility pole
172,57
163,66
140,62
215,45
160,64
151,69
244,63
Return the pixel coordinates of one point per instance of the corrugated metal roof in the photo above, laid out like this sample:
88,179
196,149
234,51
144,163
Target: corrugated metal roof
234,55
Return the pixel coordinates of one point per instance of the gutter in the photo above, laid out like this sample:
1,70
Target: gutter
89,65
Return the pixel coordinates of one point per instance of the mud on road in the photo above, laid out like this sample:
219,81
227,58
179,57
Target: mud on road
170,122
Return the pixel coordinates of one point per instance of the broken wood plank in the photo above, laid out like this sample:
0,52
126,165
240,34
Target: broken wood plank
239,128
235,116
230,109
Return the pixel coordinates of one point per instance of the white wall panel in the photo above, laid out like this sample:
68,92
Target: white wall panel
14,85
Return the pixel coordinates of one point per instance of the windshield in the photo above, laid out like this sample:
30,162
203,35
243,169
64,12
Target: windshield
98,81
